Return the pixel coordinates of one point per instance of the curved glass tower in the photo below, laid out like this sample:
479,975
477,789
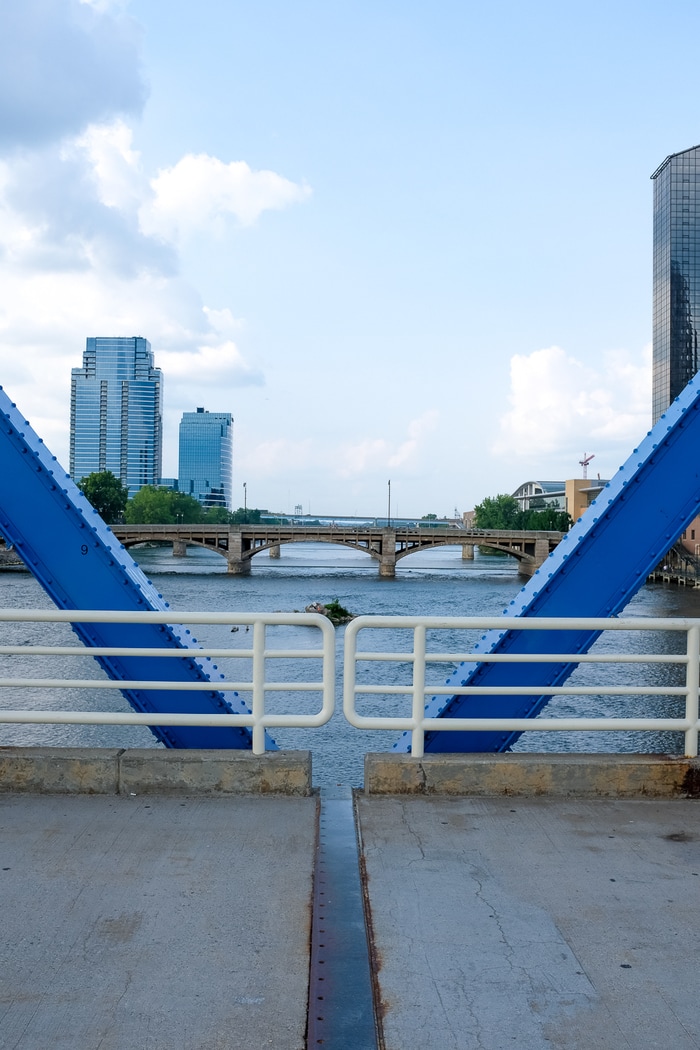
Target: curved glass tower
116,412
676,276
205,462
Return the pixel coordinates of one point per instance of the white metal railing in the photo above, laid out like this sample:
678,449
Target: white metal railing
418,689
258,687
408,677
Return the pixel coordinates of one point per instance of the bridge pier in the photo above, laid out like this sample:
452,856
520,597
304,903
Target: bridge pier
238,566
529,566
387,554
179,549
467,552
275,551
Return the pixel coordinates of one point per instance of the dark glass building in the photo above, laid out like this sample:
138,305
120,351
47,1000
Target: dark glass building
205,461
116,412
676,276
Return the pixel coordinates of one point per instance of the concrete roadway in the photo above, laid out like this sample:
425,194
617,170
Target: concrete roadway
181,923
151,923
535,923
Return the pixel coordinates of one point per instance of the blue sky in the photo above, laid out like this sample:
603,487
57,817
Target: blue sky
396,240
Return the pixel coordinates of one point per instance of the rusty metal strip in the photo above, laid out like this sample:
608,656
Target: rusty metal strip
341,1009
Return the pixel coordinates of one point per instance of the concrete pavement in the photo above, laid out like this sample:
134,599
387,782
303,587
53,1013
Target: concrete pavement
534,923
151,923
164,919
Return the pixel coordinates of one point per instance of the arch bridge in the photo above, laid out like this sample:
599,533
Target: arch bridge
240,543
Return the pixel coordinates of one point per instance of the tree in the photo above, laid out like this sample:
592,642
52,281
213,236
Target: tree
503,512
106,493
217,516
245,516
497,512
549,520
154,506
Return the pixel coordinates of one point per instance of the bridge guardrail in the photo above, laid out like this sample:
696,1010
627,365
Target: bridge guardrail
411,664
255,689
408,673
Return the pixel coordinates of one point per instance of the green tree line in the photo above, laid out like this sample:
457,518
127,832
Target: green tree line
155,506
503,512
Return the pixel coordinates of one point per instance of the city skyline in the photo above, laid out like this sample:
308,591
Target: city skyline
405,243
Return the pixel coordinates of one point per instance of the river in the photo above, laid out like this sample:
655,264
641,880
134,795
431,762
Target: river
436,582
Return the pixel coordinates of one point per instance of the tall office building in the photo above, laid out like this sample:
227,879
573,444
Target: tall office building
205,463
676,276
116,412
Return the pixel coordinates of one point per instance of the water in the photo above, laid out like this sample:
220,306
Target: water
435,582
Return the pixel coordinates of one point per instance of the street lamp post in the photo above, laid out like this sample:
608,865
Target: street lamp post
245,502
388,513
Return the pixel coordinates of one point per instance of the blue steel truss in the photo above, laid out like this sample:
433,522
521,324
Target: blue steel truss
80,565
595,571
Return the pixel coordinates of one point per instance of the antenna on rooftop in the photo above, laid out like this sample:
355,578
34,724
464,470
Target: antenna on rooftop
585,461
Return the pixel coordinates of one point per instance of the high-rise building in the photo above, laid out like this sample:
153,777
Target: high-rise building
205,463
116,412
676,276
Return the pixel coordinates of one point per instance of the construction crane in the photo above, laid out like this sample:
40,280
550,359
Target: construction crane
585,461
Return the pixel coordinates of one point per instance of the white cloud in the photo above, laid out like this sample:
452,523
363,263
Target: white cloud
218,365
223,321
364,456
199,192
114,164
374,454
561,406
418,430
286,455
63,65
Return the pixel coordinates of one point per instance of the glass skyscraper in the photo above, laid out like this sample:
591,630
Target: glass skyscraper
205,462
676,276
116,412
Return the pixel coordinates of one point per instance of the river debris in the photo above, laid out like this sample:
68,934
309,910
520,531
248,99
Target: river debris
335,612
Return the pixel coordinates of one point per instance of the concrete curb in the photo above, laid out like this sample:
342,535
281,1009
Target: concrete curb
142,771
562,775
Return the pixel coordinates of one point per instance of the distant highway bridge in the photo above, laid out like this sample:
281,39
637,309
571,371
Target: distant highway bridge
240,543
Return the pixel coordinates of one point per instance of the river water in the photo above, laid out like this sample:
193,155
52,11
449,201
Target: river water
437,582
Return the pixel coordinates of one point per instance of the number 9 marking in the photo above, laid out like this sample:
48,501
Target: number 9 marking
84,548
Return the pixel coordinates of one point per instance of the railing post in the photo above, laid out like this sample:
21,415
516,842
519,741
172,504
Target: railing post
692,682
258,697
418,734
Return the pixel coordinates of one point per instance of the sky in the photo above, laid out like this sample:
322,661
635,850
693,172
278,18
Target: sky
400,242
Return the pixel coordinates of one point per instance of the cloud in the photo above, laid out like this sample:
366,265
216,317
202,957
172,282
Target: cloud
373,454
113,163
269,458
72,207
223,321
74,262
78,205
64,65
561,406
199,192
418,430
217,365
